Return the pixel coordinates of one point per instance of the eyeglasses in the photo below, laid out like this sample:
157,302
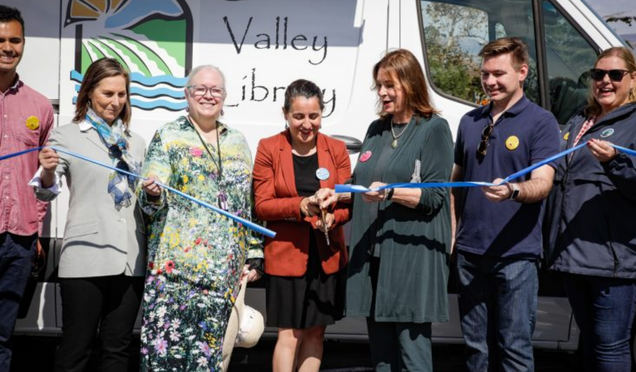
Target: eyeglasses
482,149
615,75
198,91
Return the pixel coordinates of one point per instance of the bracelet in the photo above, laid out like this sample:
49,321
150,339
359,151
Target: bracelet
389,194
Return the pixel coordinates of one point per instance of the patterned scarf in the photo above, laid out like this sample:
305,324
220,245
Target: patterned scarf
120,186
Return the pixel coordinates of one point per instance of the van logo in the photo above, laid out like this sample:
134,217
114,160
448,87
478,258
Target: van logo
607,132
152,39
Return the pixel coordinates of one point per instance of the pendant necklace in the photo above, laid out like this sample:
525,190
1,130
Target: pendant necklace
394,143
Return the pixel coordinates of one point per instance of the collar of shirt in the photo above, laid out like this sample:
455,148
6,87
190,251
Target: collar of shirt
515,110
16,85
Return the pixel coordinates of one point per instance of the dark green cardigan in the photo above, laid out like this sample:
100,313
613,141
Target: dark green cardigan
414,243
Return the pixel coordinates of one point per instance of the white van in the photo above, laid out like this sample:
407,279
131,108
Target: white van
263,45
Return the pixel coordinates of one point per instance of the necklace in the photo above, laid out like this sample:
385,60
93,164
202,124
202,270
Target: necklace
394,143
221,196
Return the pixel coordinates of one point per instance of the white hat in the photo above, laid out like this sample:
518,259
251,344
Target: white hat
244,328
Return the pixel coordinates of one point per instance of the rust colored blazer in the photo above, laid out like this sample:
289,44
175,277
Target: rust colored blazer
277,203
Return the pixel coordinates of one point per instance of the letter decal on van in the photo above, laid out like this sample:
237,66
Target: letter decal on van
151,38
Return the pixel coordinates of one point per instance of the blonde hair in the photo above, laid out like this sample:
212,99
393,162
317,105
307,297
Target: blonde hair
593,108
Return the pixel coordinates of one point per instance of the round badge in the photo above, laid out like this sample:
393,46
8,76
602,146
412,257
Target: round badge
566,136
512,143
607,132
365,156
32,122
322,174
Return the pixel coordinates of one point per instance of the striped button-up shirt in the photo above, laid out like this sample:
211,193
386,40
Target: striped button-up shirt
26,119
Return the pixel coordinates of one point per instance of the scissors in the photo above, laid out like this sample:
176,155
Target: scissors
323,218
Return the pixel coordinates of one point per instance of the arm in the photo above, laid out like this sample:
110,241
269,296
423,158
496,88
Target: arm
342,211
268,206
455,197
534,190
47,181
436,162
619,167
152,198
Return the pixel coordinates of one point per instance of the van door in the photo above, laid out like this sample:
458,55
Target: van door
563,37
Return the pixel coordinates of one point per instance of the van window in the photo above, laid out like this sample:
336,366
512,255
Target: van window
455,30
569,58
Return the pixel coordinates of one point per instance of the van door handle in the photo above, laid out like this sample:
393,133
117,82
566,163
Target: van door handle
353,144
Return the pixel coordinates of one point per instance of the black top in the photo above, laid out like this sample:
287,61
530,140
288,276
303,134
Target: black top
305,170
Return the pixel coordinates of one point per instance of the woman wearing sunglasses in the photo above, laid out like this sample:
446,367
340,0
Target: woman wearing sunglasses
196,257
592,237
102,261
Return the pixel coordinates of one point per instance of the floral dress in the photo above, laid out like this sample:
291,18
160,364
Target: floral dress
195,255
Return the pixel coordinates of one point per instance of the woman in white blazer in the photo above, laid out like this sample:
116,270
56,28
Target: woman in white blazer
102,262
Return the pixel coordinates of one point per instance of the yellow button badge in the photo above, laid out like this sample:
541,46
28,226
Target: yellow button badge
32,122
512,143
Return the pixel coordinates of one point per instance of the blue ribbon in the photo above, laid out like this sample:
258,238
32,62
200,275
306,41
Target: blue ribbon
250,224
8,156
624,149
425,185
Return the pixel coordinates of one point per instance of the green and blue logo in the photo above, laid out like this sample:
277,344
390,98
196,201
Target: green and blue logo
151,38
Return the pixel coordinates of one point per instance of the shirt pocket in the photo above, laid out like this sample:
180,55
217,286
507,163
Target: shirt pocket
30,138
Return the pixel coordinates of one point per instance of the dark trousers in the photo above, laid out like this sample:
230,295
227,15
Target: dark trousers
16,253
109,303
604,311
497,306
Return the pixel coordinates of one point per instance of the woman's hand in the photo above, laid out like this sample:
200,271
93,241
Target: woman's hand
602,150
326,197
325,222
375,196
251,274
309,206
151,188
49,159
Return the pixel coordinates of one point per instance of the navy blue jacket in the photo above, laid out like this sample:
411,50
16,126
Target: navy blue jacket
592,208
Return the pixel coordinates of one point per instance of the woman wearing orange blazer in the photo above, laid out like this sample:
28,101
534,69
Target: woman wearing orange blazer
306,261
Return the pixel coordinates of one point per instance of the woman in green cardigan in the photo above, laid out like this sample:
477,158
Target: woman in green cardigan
400,238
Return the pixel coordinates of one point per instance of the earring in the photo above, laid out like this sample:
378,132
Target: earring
286,125
222,112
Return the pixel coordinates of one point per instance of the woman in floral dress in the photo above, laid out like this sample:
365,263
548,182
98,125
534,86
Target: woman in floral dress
196,257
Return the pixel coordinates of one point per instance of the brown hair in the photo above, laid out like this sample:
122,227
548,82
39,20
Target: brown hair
513,45
99,70
593,108
404,68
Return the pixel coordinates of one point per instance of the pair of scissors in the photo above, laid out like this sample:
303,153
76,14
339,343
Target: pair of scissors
324,223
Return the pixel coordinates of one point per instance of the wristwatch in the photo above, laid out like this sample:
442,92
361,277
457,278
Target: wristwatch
389,195
515,191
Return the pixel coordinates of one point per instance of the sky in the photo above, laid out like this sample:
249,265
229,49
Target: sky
617,8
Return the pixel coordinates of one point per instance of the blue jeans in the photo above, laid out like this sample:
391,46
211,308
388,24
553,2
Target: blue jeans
604,311
16,253
497,306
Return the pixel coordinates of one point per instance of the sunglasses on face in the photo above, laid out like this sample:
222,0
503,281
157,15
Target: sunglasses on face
615,75
482,149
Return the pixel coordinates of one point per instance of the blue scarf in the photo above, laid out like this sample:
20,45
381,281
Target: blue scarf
120,186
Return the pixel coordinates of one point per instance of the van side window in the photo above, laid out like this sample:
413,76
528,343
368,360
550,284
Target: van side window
569,58
455,30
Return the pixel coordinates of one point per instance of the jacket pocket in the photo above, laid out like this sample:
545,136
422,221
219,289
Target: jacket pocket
80,229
